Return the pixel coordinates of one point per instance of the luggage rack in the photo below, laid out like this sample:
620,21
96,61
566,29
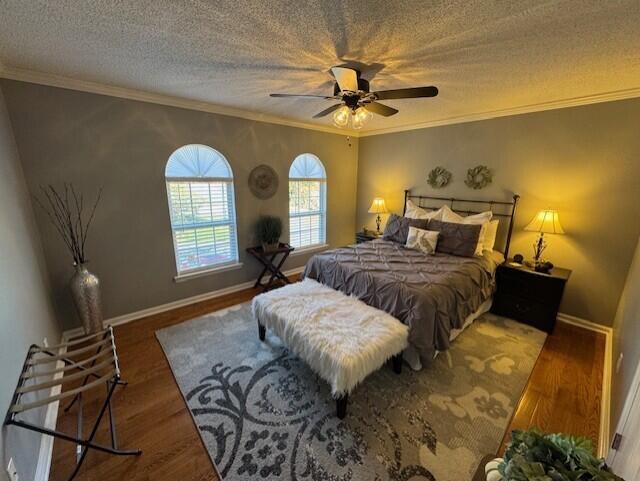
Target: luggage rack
95,364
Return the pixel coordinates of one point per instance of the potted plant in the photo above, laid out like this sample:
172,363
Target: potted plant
535,456
268,230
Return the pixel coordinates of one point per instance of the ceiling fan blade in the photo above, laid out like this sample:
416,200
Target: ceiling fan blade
347,78
411,93
380,109
305,95
327,111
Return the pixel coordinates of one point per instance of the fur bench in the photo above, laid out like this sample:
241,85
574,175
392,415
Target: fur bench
341,338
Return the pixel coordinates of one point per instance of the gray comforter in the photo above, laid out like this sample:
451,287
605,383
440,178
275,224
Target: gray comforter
432,294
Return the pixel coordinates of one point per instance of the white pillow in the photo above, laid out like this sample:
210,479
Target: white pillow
450,216
482,218
413,211
490,235
422,240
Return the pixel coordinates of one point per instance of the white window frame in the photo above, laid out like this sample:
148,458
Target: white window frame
321,212
185,274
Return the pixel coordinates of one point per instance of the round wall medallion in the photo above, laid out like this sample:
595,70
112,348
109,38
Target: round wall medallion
479,177
263,181
439,178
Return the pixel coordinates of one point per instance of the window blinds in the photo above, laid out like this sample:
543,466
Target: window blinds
203,223
307,212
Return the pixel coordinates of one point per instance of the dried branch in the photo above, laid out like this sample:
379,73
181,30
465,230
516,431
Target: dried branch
65,209
93,211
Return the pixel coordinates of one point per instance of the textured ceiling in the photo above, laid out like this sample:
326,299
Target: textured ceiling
482,55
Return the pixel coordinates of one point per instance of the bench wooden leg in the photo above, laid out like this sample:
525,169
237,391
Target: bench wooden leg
341,406
397,363
262,331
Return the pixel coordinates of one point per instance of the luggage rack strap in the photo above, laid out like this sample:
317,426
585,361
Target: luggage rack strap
50,358
65,379
18,407
72,342
68,367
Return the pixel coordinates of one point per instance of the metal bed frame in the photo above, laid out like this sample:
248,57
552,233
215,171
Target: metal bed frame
96,366
509,207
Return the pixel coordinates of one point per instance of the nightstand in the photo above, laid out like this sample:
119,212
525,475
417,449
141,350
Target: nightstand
529,296
366,236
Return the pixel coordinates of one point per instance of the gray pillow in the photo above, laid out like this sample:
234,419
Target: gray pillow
397,228
456,239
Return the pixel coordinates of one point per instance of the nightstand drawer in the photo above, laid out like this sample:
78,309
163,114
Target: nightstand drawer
525,310
532,286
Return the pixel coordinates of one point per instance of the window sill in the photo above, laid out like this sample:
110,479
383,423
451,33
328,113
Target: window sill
205,272
309,249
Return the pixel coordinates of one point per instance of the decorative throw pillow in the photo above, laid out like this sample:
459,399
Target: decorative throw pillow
412,211
422,240
397,228
482,218
490,235
456,239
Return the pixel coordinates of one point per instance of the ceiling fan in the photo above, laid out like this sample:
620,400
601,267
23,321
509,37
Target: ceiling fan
356,103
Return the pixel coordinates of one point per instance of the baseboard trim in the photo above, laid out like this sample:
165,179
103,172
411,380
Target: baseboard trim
605,406
133,316
50,421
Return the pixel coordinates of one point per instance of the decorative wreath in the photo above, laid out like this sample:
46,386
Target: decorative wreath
479,177
263,181
439,178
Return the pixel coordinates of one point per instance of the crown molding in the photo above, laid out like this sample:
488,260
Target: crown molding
59,81
525,109
52,80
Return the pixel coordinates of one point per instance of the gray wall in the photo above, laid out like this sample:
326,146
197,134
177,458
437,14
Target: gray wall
123,145
626,332
582,161
26,314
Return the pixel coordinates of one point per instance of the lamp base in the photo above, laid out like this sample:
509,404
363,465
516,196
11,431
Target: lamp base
378,222
543,267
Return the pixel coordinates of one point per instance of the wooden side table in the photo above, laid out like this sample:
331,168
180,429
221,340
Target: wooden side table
271,264
367,236
529,296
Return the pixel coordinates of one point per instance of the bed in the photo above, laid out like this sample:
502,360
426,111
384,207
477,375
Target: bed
435,295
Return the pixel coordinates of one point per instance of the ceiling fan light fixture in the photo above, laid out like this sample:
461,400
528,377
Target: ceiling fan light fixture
357,103
342,116
360,117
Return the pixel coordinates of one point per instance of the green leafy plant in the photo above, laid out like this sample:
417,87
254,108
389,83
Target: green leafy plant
268,230
535,456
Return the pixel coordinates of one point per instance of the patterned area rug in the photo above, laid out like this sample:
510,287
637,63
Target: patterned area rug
263,414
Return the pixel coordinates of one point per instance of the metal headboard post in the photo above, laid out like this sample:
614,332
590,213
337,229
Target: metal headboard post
491,203
516,197
404,206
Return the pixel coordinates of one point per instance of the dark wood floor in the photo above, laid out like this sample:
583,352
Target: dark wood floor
563,394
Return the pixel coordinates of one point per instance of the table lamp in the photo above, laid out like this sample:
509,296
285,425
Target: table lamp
545,222
378,207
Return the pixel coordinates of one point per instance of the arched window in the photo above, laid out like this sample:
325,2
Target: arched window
307,201
202,208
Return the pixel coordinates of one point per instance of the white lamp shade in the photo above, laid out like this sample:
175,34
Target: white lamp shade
378,206
547,222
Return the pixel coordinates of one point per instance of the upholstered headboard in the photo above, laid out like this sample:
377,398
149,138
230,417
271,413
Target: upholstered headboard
500,209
